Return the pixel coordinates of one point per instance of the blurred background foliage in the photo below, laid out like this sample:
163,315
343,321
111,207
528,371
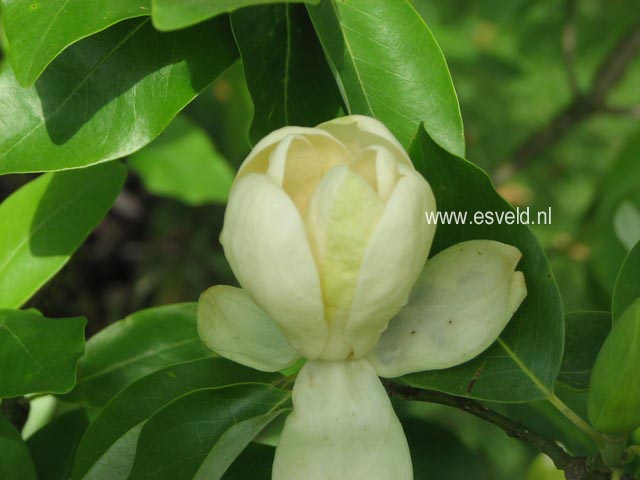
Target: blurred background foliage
542,115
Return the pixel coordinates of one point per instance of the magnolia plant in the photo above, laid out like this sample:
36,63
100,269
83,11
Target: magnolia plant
326,230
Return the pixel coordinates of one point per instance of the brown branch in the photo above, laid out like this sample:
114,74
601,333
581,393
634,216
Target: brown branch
575,468
608,75
631,112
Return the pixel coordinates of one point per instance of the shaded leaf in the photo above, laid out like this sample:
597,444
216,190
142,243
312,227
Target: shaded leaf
136,346
38,30
50,217
543,417
437,453
288,76
107,449
15,460
585,333
54,446
389,66
183,163
232,443
38,354
175,14
627,287
522,365
202,426
254,462
108,95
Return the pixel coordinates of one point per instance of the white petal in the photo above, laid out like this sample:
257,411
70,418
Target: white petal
392,261
265,242
298,163
357,132
462,301
342,215
231,324
342,427
258,159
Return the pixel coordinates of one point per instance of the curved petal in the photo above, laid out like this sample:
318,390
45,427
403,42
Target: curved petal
357,132
462,301
298,163
259,158
342,427
265,241
342,215
231,324
392,262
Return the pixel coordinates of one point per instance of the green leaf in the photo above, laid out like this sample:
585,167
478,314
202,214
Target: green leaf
38,354
614,398
389,66
54,446
106,451
627,287
204,426
543,417
50,217
183,163
15,460
108,95
39,30
254,462
134,347
523,364
288,76
232,443
585,333
175,14
438,454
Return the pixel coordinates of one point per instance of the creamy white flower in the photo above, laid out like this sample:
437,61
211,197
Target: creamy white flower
326,232
325,229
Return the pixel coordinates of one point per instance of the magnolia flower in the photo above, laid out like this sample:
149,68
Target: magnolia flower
325,230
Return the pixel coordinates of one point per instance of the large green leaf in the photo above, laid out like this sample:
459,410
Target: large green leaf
46,220
585,332
522,365
134,347
175,14
203,427
232,443
38,354
288,76
108,95
390,67
627,288
53,447
15,460
39,30
107,449
183,163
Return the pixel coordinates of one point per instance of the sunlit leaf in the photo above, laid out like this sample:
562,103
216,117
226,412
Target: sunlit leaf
45,221
38,354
